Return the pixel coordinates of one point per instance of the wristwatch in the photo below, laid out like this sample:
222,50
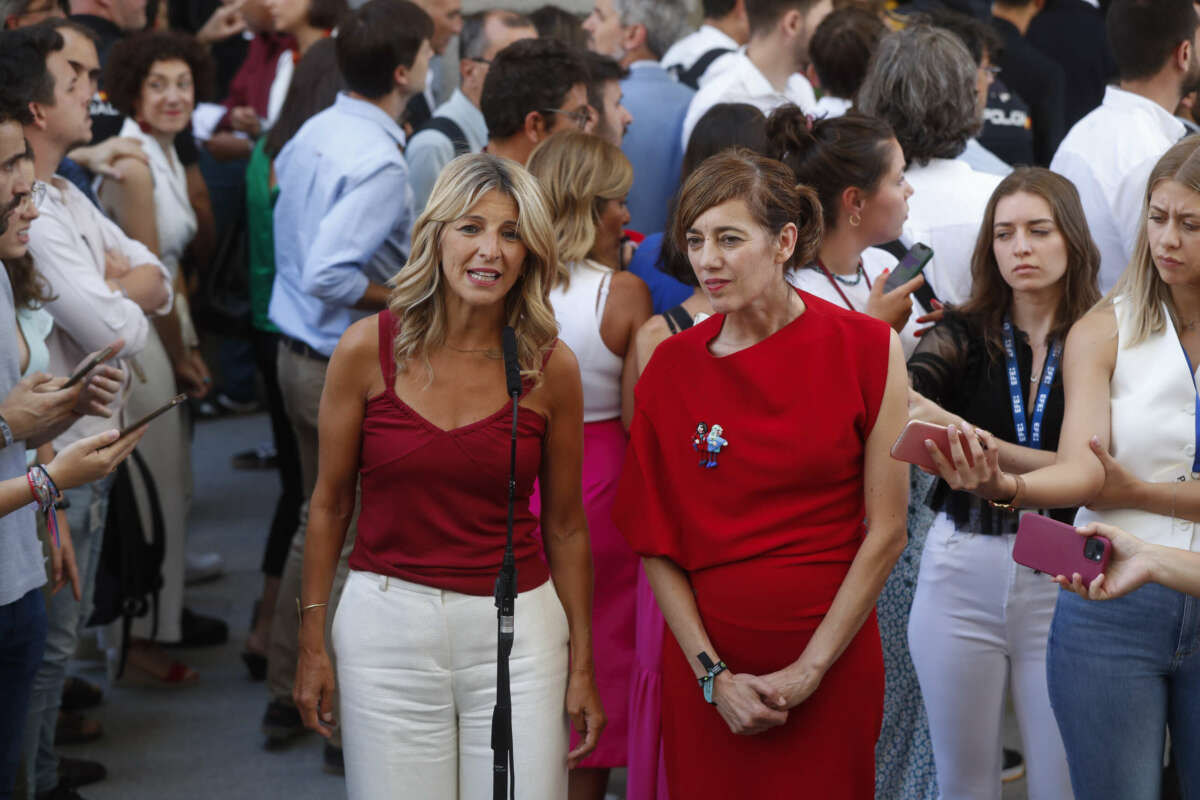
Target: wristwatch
712,671
5,433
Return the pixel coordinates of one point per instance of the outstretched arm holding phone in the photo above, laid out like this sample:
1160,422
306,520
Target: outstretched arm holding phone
1135,563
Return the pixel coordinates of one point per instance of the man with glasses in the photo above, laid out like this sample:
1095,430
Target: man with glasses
458,127
534,88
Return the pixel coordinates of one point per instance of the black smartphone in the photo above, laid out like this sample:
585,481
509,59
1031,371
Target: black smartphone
909,267
174,401
100,358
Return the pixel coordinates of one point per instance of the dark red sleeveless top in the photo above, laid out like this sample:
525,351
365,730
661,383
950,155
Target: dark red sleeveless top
434,501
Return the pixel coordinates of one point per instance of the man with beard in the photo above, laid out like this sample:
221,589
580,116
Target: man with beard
1109,153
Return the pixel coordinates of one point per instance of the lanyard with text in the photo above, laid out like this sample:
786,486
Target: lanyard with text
1192,376
1034,437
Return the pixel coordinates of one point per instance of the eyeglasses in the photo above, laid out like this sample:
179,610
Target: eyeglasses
580,117
37,194
991,70
487,61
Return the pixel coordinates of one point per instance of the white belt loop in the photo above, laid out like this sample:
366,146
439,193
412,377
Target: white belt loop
384,586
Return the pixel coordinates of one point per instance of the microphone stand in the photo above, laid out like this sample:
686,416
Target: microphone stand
504,779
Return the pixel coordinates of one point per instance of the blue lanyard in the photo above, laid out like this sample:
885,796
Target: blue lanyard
1031,439
1192,378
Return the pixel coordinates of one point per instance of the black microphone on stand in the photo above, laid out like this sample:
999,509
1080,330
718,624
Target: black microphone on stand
504,779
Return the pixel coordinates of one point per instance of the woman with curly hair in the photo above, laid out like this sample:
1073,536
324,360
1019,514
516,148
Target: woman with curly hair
155,78
415,407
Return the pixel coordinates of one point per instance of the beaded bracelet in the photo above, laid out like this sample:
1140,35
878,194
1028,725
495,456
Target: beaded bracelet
46,494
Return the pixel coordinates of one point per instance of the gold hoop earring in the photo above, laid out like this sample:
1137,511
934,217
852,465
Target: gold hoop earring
855,220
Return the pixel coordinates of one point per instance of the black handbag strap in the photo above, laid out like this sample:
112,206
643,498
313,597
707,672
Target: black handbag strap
451,130
691,76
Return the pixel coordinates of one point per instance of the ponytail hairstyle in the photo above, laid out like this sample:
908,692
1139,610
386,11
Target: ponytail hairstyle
723,126
767,187
831,155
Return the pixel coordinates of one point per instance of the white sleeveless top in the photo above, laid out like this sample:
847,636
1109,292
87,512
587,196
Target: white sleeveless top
1153,428
579,310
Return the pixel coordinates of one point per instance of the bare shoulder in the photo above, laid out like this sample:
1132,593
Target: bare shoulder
357,350
628,286
1095,331
628,299
135,174
562,368
650,335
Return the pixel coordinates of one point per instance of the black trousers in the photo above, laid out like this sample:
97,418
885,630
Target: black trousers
287,509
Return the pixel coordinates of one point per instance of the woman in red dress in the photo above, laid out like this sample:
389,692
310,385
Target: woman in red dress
771,560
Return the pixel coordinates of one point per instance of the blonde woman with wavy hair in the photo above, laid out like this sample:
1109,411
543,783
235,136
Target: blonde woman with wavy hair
415,413
1128,452
599,309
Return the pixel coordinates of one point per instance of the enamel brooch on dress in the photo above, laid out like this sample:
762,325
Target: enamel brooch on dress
709,442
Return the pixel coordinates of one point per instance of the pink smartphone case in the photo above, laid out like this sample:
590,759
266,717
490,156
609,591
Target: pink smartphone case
910,446
1055,548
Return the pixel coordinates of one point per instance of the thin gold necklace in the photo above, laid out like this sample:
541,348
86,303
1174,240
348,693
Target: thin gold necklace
489,352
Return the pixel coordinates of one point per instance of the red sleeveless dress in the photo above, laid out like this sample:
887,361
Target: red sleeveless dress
435,502
766,537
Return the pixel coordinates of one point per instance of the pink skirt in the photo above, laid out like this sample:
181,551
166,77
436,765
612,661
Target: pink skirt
616,568
647,777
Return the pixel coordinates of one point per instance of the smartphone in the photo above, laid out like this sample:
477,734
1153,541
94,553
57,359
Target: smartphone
1056,548
100,358
174,401
910,446
909,267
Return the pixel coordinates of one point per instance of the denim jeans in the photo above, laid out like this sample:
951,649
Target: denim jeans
65,619
1121,672
22,640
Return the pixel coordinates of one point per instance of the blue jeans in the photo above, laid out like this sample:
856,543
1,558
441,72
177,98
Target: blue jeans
65,619
1121,672
22,641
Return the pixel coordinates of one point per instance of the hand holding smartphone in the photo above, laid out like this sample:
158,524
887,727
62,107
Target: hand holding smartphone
1056,548
910,266
92,363
910,446
174,401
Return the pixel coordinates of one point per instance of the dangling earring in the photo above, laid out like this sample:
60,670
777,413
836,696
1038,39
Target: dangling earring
855,220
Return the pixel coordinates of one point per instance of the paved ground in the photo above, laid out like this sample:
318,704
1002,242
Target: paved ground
203,742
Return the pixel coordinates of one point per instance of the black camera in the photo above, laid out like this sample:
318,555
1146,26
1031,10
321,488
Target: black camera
1093,550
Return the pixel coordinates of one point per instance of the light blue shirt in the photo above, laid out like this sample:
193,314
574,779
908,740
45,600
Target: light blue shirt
430,151
653,143
343,219
21,566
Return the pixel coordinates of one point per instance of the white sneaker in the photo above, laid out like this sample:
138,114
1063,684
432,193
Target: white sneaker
202,567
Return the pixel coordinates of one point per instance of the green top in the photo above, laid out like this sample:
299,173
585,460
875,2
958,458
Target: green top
260,235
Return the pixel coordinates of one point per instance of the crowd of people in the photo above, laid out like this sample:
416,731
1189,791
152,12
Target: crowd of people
704,242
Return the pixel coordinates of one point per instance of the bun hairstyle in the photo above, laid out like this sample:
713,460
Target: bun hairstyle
830,155
767,187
